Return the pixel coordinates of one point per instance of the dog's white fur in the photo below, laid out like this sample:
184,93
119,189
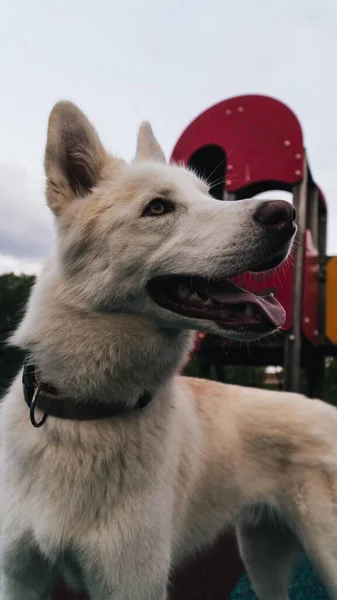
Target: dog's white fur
111,505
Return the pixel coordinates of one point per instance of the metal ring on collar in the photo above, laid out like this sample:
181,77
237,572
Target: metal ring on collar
33,421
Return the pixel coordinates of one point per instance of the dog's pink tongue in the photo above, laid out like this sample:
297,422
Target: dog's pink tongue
229,293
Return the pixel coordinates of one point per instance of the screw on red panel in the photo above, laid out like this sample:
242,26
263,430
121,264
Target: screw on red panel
228,111
287,142
298,172
315,331
306,319
298,156
240,109
229,167
229,182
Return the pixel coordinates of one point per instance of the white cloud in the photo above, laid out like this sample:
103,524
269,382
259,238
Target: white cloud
10,264
26,231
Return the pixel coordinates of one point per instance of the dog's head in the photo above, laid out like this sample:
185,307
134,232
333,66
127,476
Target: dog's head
147,238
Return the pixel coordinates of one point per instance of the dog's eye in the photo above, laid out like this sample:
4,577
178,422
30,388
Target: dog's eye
158,207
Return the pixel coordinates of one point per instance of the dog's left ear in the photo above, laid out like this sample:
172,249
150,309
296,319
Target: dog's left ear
148,148
74,158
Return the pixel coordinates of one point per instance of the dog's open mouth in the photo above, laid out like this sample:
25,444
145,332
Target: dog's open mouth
226,304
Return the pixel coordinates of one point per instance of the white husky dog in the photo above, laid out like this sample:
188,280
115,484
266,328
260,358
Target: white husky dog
135,468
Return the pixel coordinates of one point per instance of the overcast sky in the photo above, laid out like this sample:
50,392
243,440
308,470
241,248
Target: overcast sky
162,60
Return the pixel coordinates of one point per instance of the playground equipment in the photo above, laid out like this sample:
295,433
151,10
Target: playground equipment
245,146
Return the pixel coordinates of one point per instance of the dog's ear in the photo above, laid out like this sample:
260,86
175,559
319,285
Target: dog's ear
148,148
74,157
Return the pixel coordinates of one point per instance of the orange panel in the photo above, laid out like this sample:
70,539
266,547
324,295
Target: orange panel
331,300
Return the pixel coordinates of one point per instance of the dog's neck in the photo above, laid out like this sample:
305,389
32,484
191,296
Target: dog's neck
106,358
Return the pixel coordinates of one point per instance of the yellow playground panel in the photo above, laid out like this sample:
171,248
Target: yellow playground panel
331,300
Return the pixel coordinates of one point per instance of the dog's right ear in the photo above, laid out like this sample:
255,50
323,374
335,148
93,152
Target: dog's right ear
148,149
74,158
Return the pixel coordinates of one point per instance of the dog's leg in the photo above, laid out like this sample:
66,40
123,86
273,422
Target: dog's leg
124,583
315,517
267,549
25,574
138,570
101,591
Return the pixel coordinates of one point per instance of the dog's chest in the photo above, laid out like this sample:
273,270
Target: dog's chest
70,492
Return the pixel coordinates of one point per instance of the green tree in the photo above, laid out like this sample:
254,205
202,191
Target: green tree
14,292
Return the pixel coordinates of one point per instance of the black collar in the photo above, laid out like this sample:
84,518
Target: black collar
46,398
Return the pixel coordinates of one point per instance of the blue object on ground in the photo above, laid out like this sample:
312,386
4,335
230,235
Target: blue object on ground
305,585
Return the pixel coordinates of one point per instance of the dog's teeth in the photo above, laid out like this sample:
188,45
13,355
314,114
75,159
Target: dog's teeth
209,302
195,298
249,311
183,292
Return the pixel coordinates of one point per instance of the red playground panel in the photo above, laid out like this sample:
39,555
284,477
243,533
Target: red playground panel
261,138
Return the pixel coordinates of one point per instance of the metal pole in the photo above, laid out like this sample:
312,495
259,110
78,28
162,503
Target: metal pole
227,196
322,231
313,214
293,342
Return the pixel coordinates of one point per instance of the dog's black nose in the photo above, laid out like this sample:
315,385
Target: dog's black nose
277,215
